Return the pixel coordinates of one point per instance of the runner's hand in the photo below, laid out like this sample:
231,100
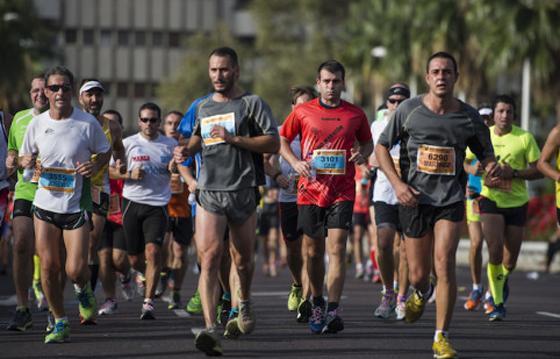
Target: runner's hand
137,173
221,132
407,195
302,168
28,161
120,166
356,156
85,169
282,181
191,185
11,162
180,154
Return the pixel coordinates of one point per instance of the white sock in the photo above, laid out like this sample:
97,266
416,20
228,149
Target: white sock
477,286
440,331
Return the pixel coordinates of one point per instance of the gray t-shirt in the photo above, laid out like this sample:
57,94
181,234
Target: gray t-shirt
433,148
227,167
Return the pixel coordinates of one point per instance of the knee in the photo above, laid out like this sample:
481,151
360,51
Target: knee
22,246
445,269
75,271
314,253
49,266
152,253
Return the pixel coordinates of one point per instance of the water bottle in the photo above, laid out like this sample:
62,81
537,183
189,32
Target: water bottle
192,198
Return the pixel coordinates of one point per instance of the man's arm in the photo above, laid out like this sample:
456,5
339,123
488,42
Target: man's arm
272,169
364,151
181,153
549,153
118,147
260,144
405,194
301,167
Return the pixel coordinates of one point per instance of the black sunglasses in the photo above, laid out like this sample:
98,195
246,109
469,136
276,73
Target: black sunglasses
56,88
393,101
151,120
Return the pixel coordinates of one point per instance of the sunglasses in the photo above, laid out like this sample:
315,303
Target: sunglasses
393,101
56,88
151,120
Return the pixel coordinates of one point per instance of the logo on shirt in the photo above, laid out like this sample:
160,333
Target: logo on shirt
141,158
49,131
330,119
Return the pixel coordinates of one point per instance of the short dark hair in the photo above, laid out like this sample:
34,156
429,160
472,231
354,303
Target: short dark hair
40,75
503,99
331,66
115,113
226,52
60,70
443,55
150,106
174,112
297,91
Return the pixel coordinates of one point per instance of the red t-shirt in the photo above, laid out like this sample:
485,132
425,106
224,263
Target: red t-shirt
327,135
115,200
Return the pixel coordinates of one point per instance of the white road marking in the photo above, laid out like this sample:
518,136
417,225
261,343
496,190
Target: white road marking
548,314
181,313
8,301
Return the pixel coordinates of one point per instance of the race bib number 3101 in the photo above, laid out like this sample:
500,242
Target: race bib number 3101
58,179
226,120
436,160
330,162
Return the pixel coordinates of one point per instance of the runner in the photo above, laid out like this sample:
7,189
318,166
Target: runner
146,194
360,218
22,223
91,100
387,222
64,138
474,187
232,129
268,228
328,128
503,205
112,247
179,231
434,131
287,178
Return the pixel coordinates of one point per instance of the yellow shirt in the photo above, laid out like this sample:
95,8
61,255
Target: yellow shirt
557,183
102,177
517,148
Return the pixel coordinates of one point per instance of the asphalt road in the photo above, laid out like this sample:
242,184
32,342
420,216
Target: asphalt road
531,329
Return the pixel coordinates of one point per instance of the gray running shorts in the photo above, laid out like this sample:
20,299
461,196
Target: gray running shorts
237,205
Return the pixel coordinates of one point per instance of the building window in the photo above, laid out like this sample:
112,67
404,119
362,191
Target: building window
174,39
140,90
123,38
140,38
122,89
157,39
70,36
88,37
105,38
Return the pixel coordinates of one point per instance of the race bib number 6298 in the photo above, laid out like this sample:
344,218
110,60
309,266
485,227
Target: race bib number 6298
436,160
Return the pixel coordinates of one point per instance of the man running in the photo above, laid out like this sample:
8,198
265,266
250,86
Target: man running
64,138
22,223
503,205
386,209
91,100
146,194
434,131
328,128
232,129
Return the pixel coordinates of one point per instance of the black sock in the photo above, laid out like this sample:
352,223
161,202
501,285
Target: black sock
319,301
94,270
332,306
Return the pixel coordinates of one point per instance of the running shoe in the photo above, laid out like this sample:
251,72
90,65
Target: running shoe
246,318
303,311
333,323
474,300
225,308
317,319
147,311
232,327
162,284
488,304
40,298
50,323
207,342
442,348
128,290
294,298
175,301
498,314
60,332
414,307
108,307
87,305
400,310
360,271
194,305
21,321
387,306
376,277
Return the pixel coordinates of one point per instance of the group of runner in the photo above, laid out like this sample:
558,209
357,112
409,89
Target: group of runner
122,207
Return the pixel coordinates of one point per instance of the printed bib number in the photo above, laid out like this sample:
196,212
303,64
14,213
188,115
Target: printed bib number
58,179
176,184
114,204
207,123
436,160
95,194
330,162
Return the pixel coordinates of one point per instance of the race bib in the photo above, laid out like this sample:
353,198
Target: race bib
58,179
226,120
114,204
329,162
36,172
436,160
95,194
175,183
